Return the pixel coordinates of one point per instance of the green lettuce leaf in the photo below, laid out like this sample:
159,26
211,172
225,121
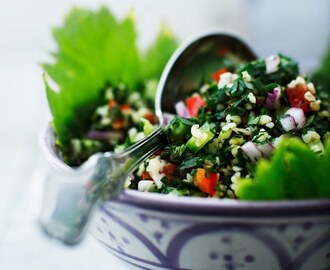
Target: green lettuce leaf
155,59
157,55
294,172
94,49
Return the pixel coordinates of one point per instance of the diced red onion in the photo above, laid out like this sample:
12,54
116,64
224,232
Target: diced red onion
167,117
266,149
104,135
273,99
145,185
252,151
277,140
182,110
288,123
272,62
298,115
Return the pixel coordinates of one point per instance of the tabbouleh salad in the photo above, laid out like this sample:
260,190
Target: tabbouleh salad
226,126
122,119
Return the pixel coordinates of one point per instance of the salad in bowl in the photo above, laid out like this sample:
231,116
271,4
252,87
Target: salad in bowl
222,140
242,181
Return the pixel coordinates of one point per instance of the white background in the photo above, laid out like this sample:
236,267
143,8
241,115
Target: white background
296,28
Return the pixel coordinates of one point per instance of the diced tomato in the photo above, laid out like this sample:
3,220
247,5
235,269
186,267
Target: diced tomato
146,176
118,124
150,117
216,75
157,153
124,107
194,103
206,182
260,100
112,104
296,97
168,170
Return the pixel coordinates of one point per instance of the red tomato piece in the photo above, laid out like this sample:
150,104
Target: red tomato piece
112,103
124,107
194,103
206,183
157,153
296,97
118,124
146,176
150,117
216,75
168,170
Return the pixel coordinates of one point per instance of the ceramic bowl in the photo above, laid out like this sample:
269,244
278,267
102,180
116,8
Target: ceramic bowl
154,231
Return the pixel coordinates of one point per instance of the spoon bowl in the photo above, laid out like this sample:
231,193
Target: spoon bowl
71,193
194,62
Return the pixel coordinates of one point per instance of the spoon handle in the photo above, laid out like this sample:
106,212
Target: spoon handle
121,165
70,196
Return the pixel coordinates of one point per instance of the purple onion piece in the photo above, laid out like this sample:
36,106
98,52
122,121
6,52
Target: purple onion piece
105,135
182,110
167,117
252,151
273,99
288,122
272,62
298,115
266,149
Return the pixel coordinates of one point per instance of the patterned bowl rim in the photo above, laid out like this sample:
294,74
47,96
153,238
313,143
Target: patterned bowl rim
224,207
192,205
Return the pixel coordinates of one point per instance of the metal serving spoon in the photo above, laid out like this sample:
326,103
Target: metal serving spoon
71,193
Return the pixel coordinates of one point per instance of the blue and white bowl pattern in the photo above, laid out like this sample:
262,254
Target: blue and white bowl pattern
199,238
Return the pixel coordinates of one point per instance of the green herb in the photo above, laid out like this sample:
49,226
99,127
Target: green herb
191,162
158,54
294,172
179,188
238,88
253,120
216,97
287,71
178,129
